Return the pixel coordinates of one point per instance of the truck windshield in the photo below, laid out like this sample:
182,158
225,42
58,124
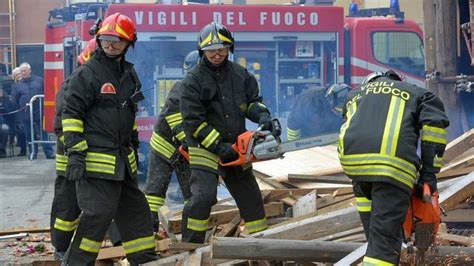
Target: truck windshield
402,51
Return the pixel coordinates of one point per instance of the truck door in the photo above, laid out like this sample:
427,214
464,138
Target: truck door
379,44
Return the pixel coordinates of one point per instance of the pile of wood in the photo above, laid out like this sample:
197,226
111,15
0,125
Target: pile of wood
311,211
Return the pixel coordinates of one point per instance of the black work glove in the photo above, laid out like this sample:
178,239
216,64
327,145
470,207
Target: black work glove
265,121
429,178
226,153
76,166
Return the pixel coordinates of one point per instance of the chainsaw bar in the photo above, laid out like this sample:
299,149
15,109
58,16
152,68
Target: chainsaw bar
310,142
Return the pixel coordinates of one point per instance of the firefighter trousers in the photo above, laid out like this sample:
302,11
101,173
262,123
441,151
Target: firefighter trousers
382,207
159,176
101,201
65,216
242,186
64,213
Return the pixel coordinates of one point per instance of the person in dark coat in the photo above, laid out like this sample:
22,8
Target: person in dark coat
29,86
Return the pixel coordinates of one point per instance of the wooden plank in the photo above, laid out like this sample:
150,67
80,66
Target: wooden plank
329,200
222,217
354,257
194,259
229,228
457,167
264,183
459,145
458,192
340,205
279,249
334,179
460,240
111,253
30,230
277,194
333,171
306,204
339,235
165,215
314,227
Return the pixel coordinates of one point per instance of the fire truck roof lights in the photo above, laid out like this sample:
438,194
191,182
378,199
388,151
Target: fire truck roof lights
393,10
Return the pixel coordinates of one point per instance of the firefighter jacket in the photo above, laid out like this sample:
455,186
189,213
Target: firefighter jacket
61,158
168,131
311,115
214,105
99,116
382,127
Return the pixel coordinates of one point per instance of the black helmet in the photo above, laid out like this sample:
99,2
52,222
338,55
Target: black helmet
215,36
191,59
375,75
336,94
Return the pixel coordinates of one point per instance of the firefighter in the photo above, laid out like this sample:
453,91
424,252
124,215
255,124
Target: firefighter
64,211
216,98
384,119
101,143
317,111
165,158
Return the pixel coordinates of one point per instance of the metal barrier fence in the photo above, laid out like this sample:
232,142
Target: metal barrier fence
39,98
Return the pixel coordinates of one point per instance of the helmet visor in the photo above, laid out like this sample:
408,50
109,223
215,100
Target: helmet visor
110,38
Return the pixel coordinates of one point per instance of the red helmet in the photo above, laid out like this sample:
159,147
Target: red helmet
86,53
116,27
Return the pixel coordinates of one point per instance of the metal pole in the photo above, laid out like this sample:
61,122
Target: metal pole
11,7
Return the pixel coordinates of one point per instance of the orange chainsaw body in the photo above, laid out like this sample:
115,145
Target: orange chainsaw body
422,212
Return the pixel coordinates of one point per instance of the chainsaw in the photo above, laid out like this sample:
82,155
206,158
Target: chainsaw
422,221
259,145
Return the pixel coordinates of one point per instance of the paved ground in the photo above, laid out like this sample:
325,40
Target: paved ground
26,193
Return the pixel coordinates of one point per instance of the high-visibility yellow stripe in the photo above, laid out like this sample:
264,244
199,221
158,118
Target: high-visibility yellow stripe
437,161
80,146
203,157
155,202
73,125
135,126
161,145
293,134
155,199
363,204
100,158
180,136
174,120
90,245
351,110
201,126
61,158
223,38
257,225
433,134
123,33
392,126
66,226
197,225
133,161
206,40
210,138
100,168
61,166
368,261
380,170
139,244
61,139
374,158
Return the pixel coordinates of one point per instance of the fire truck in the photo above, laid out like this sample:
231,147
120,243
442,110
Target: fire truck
289,48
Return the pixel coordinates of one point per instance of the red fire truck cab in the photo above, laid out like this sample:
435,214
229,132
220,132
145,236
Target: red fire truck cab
288,48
